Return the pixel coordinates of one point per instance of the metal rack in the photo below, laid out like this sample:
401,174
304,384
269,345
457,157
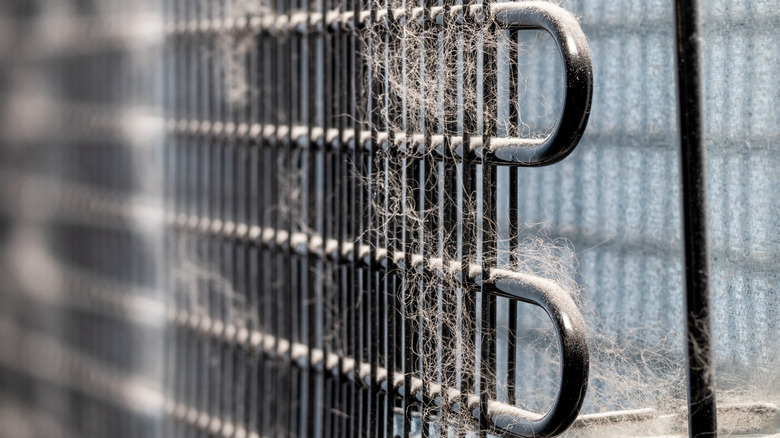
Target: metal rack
316,310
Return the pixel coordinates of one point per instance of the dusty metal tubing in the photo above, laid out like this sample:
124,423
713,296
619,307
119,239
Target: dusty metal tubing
702,419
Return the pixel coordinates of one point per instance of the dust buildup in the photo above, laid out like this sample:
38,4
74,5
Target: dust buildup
431,80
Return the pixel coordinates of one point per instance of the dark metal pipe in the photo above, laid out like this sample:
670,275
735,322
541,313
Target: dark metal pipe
702,419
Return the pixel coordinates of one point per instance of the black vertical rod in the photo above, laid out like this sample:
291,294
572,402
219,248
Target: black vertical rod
289,292
430,210
252,256
230,251
449,213
353,217
211,160
374,289
411,172
343,67
514,235
264,100
702,418
213,150
221,301
395,304
337,163
470,373
328,209
312,415
244,365
489,237
362,180
273,298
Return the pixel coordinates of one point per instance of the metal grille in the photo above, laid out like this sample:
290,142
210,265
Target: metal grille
308,317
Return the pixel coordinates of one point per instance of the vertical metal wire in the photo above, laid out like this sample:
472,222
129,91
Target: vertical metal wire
489,236
415,177
254,222
411,248
387,227
216,258
243,219
331,210
343,222
355,199
469,380
702,414
377,288
450,306
514,219
230,288
273,86
288,290
396,359
429,186
310,415
259,260
202,246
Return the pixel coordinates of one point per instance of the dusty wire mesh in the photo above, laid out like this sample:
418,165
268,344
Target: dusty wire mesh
335,225
346,121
